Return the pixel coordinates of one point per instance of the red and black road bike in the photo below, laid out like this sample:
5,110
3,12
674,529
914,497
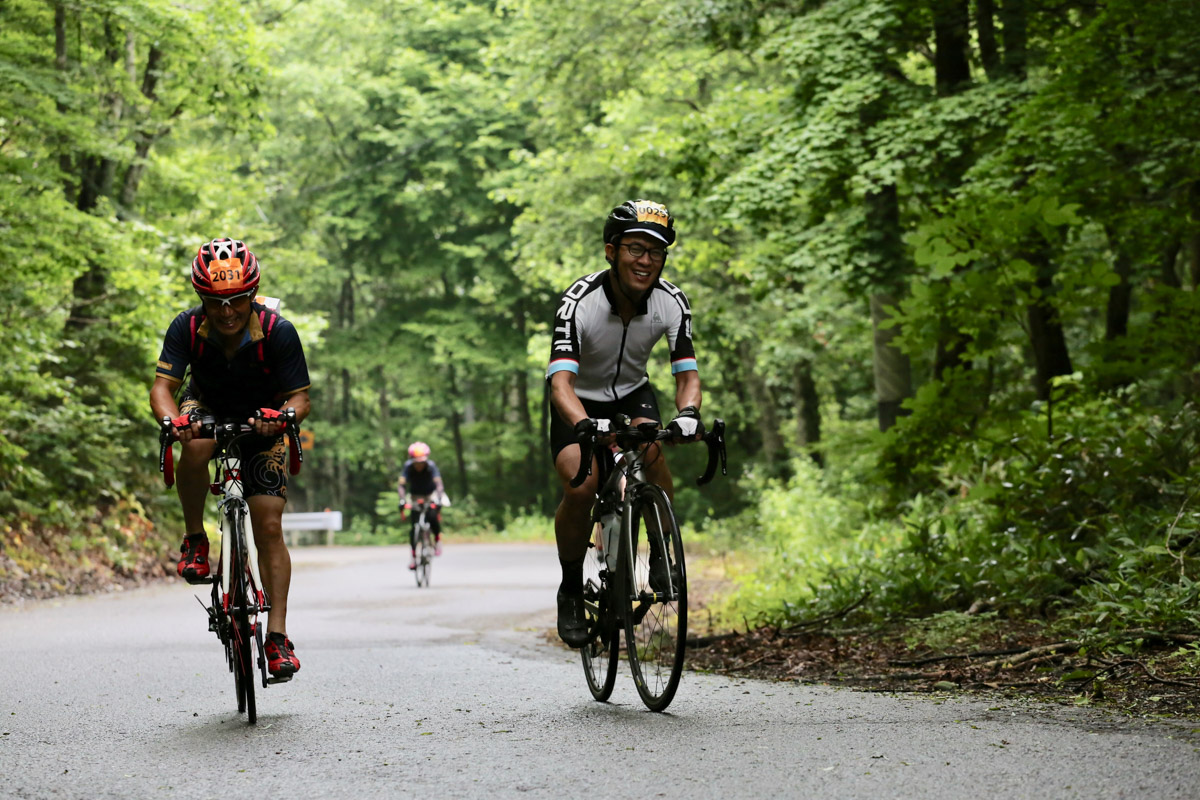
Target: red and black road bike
237,594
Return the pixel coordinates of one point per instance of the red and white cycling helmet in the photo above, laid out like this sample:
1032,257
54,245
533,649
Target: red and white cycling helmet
418,451
225,268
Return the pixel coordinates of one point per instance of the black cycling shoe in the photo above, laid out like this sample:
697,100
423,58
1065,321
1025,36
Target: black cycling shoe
572,625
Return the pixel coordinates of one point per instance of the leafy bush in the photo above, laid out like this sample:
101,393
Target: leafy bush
1094,522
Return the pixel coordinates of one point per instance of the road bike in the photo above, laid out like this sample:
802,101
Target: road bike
635,578
237,594
423,541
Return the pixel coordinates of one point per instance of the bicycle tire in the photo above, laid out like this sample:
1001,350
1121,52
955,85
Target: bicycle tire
243,646
655,622
242,633
424,559
599,654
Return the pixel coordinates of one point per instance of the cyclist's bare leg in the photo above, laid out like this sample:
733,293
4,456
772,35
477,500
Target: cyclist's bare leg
274,560
192,480
572,520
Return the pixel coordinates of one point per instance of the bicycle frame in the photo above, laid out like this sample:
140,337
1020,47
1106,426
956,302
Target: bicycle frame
626,476
232,503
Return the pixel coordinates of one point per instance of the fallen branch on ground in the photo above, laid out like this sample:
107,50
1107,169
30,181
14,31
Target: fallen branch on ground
794,630
916,662
1034,652
1133,662
1159,636
705,641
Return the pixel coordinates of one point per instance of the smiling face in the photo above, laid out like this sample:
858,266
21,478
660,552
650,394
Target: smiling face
636,274
227,319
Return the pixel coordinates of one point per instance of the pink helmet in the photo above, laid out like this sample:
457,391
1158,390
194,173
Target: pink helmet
418,451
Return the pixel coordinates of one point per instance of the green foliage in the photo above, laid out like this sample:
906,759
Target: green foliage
421,186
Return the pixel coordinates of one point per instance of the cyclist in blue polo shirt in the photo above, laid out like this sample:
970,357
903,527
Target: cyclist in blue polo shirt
243,357
603,331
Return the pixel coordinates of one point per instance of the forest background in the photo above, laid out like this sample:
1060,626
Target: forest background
943,256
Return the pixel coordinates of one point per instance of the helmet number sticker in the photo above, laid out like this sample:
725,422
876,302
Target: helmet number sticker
226,274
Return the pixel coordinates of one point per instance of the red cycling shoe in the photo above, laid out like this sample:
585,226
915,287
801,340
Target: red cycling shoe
193,558
281,655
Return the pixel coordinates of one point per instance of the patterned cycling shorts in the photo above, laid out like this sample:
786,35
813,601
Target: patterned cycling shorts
263,459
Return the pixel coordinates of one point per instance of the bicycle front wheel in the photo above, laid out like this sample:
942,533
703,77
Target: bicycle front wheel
656,592
424,559
242,634
243,644
600,653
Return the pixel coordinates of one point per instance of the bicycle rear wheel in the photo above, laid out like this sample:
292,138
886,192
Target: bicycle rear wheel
656,616
600,653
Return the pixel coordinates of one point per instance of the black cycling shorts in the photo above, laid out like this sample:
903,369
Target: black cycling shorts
264,460
641,402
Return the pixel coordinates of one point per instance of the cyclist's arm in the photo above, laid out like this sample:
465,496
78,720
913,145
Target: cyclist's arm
301,403
687,389
401,487
564,399
162,403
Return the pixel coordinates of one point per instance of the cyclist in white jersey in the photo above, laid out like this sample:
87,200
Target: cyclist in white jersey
604,329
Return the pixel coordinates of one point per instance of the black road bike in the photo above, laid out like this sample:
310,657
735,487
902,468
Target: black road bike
423,539
237,594
635,578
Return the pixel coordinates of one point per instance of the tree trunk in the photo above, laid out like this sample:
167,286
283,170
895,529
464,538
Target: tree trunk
1169,263
1193,262
456,427
808,412
146,133
764,403
951,34
893,372
985,27
521,381
385,424
60,63
1046,337
1116,316
1014,33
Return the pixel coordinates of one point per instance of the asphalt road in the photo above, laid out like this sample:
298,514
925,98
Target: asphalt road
454,691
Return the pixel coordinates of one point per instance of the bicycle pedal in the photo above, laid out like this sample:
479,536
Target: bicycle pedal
281,679
206,581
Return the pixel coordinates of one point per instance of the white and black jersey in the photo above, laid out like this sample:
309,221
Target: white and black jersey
609,357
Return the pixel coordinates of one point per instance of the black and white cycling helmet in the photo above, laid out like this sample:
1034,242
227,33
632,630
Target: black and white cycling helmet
640,216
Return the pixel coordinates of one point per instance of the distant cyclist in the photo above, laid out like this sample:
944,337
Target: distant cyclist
605,327
243,357
420,479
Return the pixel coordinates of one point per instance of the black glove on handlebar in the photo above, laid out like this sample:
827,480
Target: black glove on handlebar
587,427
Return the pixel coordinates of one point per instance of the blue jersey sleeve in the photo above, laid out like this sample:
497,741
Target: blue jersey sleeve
287,358
176,350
